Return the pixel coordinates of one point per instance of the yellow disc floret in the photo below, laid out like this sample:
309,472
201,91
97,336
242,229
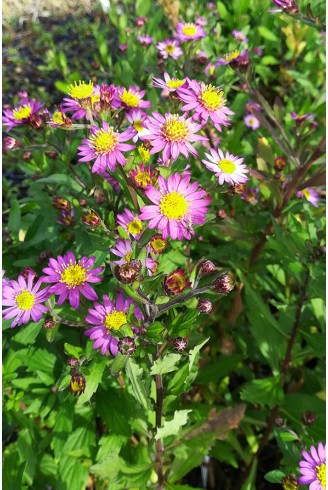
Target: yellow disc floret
169,48
104,142
142,179
138,125
144,153
227,166
173,205
22,112
57,118
73,275
211,97
115,320
81,90
131,100
321,474
173,83
189,29
306,193
231,56
128,256
25,300
135,227
175,129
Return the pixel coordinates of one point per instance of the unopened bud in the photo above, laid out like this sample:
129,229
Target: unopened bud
207,268
83,202
91,218
99,196
308,418
222,214
238,188
49,324
279,422
35,121
9,143
289,483
61,203
72,361
28,271
51,154
280,163
126,273
223,284
8,240
27,156
77,384
180,344
126,346
204,306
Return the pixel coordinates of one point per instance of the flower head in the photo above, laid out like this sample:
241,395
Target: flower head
301,118
142,176
228,58
177,207
189,32
251,122
130,222
313,468
130,99
227,168
288,6
176,282
23,300
107,319
289,483
158,244
239,36
169,47
206,101
280,163
145,40
169,84
144,153
251,195
71,278
310,195
179,344
123,249
77,384
136,118
21,114
171,134
105,146
59,119
83,96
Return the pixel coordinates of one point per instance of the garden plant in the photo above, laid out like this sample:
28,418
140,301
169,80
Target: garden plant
164,248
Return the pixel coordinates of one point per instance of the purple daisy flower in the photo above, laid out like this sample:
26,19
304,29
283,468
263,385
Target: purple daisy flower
105,146
145,40
72,278
106,318
251,195
177,206
310,195
172,134
79,94
206,101
130,222
169,47
227,168
252,122
24,301
189,32
313,468
130,99
168,84
123,249
136,118
239,36
21,114
301,118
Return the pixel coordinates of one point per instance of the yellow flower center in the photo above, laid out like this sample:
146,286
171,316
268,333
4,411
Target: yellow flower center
143,179
25,300
95,98
189,29
135,226
174,129
169,48
129,99
175,83
103,142
144,153
321,474
173,205
158,245
306,193
58,118
211,98
80,91
128,256
227,166
115,320
73,275
22,112
231,56
138,125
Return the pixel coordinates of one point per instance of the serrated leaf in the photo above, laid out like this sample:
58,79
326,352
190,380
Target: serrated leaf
135,374
173,427
165,364
93,379
274,476
266,391
72,350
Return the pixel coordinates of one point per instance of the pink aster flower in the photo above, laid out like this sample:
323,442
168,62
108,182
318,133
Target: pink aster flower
172,134
251,195
21,114
145,40
142,176
177,207
239,36
130,222
108,318
168,84
207,102
227,168
136,118
105,146
169,47
130,99
81,94
71,278
313,468
189,32
24,300
252,122
310,195
123,249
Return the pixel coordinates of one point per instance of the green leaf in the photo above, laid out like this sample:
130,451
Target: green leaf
274,476
194,354
28,333
72,350
135,374
93,380
288,436
143,7
172,427
165,364
154,331
118,364
182,322
72,474
14,220
267,34
266,391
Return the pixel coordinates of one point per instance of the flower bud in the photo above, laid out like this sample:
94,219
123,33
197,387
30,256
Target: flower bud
237,189
51,154
8,240
136,264
9,143
158,244
35,121
99,196
91,218
280,163
204,306
126,346
180,344
29,271
72,361
61,203
221,214
289,483
127,273
288,6
83,202
27,156
308,418
206,268
223,284
77,384
175,283
279,422
49,324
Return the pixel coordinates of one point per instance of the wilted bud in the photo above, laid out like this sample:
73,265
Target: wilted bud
280,163
175,283
91,218
180,344
308,418
126,346
127,273
289,483
77,384
223,284
51,154
9,143
27,156
72,361
206,268
158,244
99,196
238,188
49,323
204,306
279,422
61,203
